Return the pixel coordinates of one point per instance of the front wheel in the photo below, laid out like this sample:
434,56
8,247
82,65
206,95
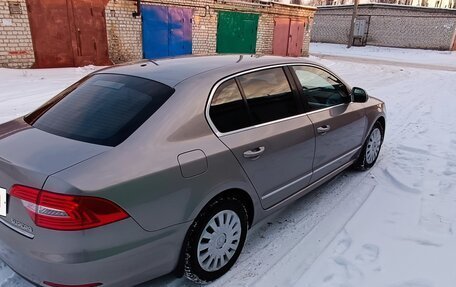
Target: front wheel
371,148
215,240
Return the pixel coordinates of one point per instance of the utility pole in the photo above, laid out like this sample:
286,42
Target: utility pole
352,25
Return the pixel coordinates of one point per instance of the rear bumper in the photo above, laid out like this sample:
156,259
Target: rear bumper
119,254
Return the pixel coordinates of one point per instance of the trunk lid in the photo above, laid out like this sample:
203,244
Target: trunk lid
27,157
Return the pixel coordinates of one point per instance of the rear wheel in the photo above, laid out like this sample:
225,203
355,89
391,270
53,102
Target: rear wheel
215,240
371,148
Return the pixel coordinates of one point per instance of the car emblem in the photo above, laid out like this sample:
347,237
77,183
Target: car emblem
21,225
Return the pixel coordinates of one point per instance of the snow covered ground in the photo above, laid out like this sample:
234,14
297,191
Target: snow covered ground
393,226
413,57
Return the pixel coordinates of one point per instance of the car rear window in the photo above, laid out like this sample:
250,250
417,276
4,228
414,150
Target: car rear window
102,109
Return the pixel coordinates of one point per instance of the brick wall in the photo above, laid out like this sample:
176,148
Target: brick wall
16,50
123,31
390,25
307,37
265,34
204,27
125,35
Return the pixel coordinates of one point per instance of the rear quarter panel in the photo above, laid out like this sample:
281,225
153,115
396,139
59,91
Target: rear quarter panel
142,174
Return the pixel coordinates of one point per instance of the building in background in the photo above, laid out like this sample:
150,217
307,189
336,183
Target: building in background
65,33
446,4
387,25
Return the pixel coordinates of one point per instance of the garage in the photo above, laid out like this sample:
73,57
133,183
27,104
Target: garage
237,32
64,33
166,31
68,33
288,36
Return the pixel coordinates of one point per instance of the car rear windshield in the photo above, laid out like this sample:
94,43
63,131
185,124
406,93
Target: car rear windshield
102,109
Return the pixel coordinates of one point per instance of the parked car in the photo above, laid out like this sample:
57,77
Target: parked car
142,169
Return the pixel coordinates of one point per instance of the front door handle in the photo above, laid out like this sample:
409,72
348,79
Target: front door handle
323,129
255,153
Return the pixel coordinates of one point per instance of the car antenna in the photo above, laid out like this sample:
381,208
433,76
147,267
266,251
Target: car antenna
153,62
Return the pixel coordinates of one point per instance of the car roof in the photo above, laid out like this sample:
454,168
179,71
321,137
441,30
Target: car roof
172,71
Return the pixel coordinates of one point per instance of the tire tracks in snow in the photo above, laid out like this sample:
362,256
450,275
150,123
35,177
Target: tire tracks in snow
307,226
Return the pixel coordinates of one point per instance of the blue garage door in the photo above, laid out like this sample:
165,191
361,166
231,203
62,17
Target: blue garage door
167,31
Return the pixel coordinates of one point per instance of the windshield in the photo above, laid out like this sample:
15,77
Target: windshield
102,109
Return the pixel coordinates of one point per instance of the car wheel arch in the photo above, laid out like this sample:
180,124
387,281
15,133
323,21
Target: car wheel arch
237,193
380,119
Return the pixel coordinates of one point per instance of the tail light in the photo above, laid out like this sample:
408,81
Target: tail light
67,212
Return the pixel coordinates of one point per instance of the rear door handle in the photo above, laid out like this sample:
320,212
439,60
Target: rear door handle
323,129
255,153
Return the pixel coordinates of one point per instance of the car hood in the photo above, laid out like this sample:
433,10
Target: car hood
27,152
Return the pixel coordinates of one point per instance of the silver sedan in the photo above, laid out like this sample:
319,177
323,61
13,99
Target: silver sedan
142,169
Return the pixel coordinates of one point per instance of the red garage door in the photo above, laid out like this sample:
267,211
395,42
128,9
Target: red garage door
288,37
281,36
68,33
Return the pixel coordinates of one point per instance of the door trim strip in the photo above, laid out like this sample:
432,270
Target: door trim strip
310,187
310,174
339,158
286,186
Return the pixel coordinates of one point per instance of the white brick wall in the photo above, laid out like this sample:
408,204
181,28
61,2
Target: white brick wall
123,31
265,34
16,50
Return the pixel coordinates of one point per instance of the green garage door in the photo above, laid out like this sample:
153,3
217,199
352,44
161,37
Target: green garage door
237,32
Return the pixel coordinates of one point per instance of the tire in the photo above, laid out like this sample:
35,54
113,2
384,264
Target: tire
229,213
373,143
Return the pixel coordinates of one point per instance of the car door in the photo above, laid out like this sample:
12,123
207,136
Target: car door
257,116
338,122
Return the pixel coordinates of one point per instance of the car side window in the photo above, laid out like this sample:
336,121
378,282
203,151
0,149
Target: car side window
268,95
320,88
228,110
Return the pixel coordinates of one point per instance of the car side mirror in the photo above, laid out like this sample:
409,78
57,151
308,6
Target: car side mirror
359,95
